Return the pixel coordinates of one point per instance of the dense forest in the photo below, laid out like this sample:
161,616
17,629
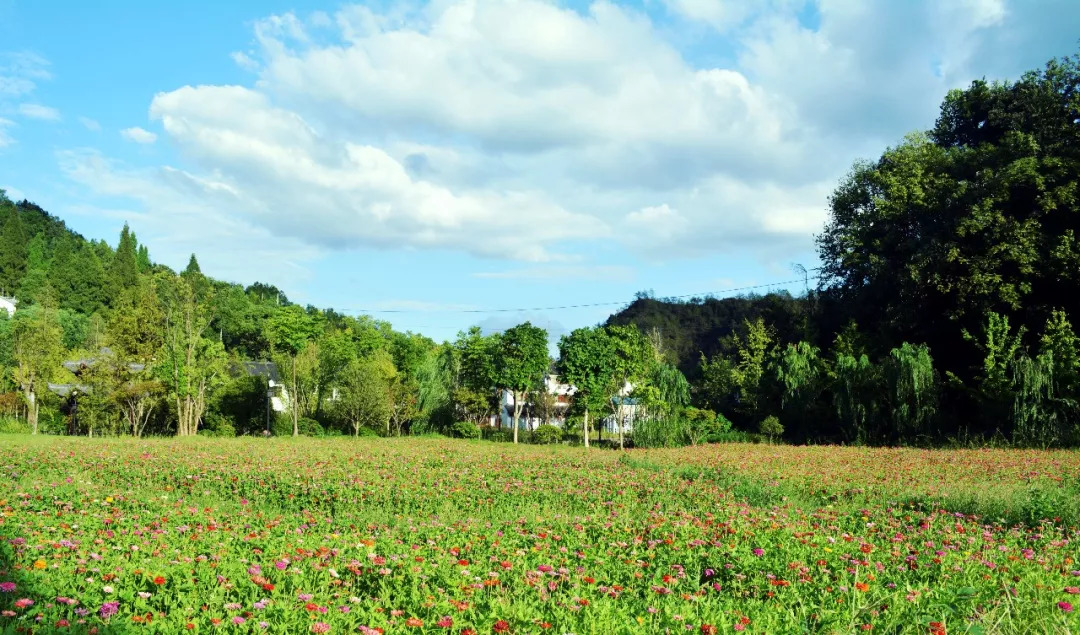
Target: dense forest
942,312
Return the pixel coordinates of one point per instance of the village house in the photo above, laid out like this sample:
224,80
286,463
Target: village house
8,304
530,418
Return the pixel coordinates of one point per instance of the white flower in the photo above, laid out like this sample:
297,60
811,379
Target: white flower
107,589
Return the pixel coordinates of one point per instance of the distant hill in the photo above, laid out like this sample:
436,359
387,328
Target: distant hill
706,325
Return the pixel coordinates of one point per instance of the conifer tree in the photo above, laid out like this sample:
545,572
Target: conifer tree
13,251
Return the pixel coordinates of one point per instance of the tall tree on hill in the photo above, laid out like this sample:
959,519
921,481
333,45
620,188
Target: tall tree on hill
520,361
586,361
13,250
124,269
35,286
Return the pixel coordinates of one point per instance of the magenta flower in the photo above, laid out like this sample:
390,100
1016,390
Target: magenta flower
238,620
281,565
7,587
109,609
759,552
1065,606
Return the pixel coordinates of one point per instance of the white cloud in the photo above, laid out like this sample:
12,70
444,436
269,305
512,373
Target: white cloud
5,138
90,124
138,135
562,273
524,130
350,193
172,213
20,72
37,111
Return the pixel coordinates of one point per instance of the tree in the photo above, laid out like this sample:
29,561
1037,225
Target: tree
37,349
35,285
364,398
520,361
136,337
290,331
124,269
13,249
476,383
193,362
586,361
630,364
979,215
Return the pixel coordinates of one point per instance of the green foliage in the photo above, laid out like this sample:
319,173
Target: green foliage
465,430
912,390
547,434
771,427
13,248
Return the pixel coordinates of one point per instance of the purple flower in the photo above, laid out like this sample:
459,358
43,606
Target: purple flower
7,587
109,609
304,597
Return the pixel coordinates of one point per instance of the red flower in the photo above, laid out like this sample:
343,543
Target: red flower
502,626
463,563
311,606
189,626
159,580
708,629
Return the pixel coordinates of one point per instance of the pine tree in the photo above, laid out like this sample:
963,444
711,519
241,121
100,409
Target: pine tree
124,272
13,251
35,283
143,258
192,267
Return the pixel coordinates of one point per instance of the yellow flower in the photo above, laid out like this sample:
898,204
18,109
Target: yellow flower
39,564
108,499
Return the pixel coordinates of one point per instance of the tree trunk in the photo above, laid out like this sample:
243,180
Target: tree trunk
619,424
585,427
517,413
31,410
295,397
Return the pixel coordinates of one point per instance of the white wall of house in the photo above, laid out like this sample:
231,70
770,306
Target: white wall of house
8,304
554,387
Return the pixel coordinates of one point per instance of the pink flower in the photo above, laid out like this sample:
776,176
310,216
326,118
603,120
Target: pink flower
7,587
1065,606
23,603
759,552
320,627
281,565
238,620
304,597
1069,589
740,627
445,622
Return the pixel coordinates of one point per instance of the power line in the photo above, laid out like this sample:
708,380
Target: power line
594,304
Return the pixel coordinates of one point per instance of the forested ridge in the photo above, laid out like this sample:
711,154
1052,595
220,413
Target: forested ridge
942,312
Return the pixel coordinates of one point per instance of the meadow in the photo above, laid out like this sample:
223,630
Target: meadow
443,536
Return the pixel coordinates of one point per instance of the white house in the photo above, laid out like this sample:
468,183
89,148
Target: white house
563,393
8,304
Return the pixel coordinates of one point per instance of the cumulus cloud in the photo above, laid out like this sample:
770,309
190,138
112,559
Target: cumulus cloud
530,131
37,111
172,210
138,135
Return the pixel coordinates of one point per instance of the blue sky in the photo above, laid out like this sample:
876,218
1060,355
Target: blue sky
431,157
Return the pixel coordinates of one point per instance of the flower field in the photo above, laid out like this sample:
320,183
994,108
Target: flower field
442,536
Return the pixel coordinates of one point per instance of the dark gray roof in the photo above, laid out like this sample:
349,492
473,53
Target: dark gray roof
64,390
268,370
76,365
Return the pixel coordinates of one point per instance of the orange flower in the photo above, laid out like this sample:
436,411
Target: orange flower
39,564
159,580
414,622
862,586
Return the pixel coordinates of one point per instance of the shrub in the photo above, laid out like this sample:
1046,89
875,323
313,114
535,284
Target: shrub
771,427
282,426
466,430
10,425
496,434
547,434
